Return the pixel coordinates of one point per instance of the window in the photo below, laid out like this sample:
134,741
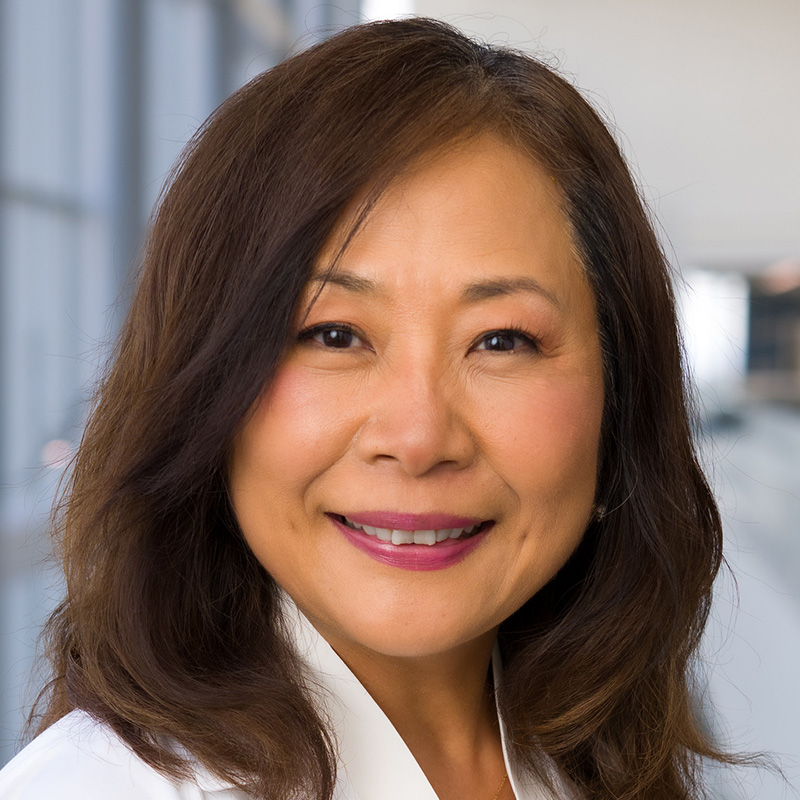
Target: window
97,98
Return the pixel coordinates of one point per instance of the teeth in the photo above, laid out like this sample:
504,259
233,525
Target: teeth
402,537
428,537
425,537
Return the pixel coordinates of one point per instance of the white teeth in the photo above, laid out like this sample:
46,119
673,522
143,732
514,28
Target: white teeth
425,537
428,537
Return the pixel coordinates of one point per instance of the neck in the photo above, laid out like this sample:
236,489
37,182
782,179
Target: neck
440,694
442,707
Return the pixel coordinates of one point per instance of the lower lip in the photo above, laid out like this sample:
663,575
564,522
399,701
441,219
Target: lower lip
418,557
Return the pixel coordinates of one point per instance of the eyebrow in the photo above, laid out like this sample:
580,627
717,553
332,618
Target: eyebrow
353,283
497,287
471,293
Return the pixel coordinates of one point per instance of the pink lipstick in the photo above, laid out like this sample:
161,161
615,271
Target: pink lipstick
412,541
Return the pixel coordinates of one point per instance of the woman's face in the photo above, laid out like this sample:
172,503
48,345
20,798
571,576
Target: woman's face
448,375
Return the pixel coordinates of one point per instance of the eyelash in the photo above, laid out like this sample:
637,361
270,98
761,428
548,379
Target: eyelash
310,333
530,341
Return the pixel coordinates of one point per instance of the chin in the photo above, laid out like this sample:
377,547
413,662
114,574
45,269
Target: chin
411,631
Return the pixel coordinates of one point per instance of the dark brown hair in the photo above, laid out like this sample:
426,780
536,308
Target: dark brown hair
171,627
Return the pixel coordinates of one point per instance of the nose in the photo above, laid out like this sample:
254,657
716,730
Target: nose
417,421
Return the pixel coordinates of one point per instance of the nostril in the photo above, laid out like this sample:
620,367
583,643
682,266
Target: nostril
414,437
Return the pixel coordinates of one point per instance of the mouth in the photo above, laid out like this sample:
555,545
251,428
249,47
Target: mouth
420,536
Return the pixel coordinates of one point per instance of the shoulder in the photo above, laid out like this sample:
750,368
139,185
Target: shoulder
79,758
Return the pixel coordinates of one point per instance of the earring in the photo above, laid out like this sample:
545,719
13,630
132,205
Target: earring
600,511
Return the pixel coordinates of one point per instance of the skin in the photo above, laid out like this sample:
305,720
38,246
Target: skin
421,410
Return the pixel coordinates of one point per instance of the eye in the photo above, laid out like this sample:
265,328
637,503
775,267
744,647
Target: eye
334,335
507,341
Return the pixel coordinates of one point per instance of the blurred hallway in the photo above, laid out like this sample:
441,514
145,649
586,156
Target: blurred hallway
753,642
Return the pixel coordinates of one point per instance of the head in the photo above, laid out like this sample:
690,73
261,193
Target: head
444,382
278,189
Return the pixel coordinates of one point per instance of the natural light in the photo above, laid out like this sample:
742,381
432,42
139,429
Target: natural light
387,9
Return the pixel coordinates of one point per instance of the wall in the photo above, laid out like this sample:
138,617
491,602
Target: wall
706,96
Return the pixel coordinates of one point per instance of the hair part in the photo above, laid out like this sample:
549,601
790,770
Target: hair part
171,629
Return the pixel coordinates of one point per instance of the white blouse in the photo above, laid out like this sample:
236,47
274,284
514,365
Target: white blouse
79,758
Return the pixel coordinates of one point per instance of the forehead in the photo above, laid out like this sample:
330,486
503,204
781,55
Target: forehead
482,209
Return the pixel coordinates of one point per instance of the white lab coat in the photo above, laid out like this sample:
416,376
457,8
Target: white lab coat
78,758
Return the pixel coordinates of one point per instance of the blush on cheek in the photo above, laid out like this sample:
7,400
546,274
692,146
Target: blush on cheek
577,415
560,426
301,420
291,411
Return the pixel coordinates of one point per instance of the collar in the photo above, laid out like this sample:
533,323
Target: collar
374,761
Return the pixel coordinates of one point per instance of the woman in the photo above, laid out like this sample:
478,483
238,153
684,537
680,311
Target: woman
399,397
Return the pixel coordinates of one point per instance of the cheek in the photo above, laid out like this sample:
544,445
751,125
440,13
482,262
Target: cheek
550,437
291,437
298,429
549,453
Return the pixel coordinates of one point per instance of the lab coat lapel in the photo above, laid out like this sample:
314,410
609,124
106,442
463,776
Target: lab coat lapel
374,761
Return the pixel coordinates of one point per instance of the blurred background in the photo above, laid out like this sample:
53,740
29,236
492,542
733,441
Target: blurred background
97,97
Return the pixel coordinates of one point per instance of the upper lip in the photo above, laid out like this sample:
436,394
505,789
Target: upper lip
400,520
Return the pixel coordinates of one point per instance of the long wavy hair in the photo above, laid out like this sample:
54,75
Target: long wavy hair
171,630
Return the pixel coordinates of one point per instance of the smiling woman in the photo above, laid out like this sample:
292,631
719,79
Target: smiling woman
390,490
458,323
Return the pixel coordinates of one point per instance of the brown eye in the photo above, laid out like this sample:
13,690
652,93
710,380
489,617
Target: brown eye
507,341
500,341
336,337
332,336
